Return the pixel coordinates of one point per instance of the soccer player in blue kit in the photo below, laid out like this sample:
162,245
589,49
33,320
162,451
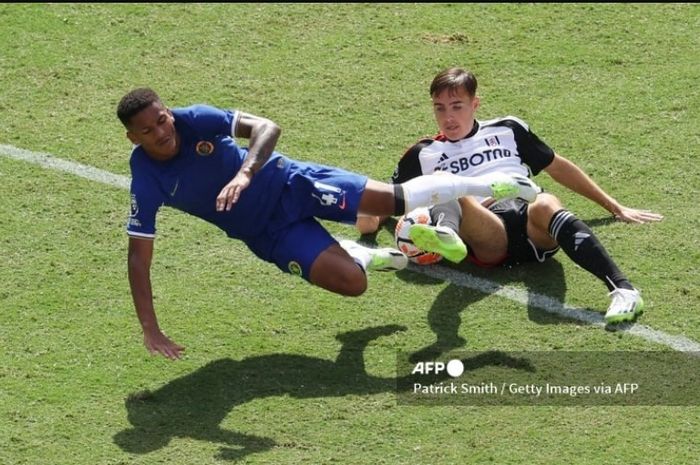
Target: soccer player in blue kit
188,158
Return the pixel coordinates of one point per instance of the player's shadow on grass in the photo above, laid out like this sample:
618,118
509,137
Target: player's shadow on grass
194,405
544,285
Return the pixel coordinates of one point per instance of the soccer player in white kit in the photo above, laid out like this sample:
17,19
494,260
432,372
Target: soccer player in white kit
494,232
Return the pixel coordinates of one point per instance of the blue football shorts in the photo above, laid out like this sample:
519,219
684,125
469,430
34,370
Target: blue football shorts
294,239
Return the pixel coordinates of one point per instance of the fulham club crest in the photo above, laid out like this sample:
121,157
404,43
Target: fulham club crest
493,141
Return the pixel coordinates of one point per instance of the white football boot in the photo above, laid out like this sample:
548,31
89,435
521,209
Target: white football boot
385,259
625,306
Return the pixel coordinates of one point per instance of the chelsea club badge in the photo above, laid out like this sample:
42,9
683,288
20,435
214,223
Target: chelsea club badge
204,148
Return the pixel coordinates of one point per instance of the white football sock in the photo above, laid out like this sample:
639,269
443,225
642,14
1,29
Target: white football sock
361,255
433,189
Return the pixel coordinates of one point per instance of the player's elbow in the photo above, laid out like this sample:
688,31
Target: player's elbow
134,263
136,269
272,130
277,129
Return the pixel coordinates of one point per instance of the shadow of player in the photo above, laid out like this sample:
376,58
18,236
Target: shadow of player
193,406
540,280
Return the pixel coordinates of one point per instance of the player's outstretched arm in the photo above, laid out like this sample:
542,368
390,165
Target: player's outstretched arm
571,176
139,265
263,135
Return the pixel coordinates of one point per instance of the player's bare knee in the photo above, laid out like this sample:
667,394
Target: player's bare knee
358,288
343,278
544,208
352,283
470,204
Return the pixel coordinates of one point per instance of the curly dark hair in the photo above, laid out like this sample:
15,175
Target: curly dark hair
134,102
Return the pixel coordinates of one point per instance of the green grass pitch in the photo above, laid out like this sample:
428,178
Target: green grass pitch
276,371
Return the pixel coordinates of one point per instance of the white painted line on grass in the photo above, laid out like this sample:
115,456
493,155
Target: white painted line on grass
551,305
49,161
541,301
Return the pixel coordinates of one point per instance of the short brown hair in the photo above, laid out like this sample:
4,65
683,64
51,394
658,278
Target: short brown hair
453,79
135,101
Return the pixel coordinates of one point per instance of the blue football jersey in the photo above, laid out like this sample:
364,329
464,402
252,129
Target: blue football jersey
208,159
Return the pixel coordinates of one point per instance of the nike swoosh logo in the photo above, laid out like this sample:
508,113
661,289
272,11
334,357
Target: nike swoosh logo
177,183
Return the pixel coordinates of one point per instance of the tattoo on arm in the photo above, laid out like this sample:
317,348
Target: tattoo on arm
263,135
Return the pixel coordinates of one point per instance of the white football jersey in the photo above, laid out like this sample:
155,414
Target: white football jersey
503,145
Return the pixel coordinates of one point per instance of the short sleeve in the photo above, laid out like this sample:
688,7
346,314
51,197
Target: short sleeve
211,121
409,166
146,199
533,151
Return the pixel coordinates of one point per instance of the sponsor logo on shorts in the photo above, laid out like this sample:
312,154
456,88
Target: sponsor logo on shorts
328,195
294,268
204,148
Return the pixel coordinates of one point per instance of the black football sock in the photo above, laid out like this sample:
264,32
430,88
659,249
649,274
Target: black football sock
578,242
399,202
447,214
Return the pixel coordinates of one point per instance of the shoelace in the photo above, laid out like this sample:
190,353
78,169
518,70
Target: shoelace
617,297
622,299
441,217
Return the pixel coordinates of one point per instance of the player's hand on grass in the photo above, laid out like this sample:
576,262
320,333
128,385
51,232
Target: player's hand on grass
157,342
232,191
632,215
